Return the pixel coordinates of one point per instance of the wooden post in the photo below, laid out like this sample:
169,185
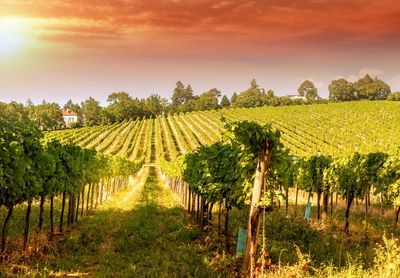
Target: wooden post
264,160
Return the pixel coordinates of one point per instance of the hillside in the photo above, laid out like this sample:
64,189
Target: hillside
336,129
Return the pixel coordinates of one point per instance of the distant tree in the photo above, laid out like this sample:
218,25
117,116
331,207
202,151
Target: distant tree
270,94
120,97
166,105
47,116
225,102
181,95
92,112
341,90
234,98
372,89
122,107
252,97
307,89
13,111
207,100
394,96
269,98
154,105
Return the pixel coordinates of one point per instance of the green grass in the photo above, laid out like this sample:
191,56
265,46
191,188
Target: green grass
325,242
142,233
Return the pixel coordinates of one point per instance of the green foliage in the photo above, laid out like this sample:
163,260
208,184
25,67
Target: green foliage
206,101
185,101
307,89
348,175
29,170
389,176
92,112
341,90
181,95
173,168
315,172
123,107
372,89
224,171
13,111
155,104
234,98
213,172
47,116
252,97
19,144
394,96
225,102
387,259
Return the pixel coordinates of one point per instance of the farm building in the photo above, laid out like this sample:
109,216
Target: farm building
69,116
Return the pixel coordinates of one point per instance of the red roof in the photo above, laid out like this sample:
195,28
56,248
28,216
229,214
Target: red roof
69,112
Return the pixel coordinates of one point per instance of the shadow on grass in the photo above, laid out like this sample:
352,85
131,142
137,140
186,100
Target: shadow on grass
151,238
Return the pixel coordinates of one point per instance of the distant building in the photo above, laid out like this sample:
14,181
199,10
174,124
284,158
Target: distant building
294,96
70,117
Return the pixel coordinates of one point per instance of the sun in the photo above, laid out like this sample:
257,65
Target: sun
11,38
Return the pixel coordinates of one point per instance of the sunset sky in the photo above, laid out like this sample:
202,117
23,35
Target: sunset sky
57,50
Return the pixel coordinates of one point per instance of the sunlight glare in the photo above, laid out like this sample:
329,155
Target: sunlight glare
11,39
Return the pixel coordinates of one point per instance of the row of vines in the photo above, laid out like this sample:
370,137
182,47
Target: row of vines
33,169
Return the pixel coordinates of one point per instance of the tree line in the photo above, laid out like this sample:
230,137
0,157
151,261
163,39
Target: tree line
122,106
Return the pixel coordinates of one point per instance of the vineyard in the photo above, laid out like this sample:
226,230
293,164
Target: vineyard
334,155
336,129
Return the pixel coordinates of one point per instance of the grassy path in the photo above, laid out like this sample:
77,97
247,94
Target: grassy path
141,233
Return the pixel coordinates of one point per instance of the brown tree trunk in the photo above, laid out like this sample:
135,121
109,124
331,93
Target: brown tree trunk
77,207
219,217
287,200
88,197
297,197
41,212
319,193
396,219
325,205
51,215
102,192
331,205
62,212
249,260
210,208
204,210
193,205
366,215
350,198
226,230
198,209
69,215
189,206
92,197
309,196
336,201
96,203
5,228
27,223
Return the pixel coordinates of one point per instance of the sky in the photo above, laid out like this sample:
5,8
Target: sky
58,50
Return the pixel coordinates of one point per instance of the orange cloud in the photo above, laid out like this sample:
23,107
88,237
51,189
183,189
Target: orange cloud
208,25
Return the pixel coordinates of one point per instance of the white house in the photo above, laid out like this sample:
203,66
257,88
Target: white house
294,96
69,116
